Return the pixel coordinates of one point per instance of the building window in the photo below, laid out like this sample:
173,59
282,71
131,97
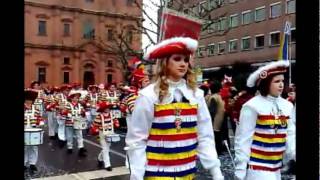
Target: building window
221,47
212,27
202,7
275,10
293,35
186,11
169,3
42,74
109,78
246,17
291,6
66,60
110,35
222,25
274,38
213,4
66,79
130,2
234,20
245,43
211,49
201,51
259,41
260,14
233,45
88,30
66,29
42,28
109,63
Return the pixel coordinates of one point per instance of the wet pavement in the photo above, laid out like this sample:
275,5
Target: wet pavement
54,161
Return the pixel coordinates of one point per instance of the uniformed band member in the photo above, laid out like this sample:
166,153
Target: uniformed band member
32,119
265,132
171,125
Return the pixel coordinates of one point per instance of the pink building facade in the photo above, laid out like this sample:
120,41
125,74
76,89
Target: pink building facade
70,41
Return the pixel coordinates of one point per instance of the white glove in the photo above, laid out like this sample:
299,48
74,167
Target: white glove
240,174
216,173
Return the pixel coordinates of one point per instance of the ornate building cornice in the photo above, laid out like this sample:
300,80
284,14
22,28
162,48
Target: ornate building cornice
85,11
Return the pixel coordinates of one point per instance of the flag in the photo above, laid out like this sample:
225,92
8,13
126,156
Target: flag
284,43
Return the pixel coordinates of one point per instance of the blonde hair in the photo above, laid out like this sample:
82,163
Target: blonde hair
161,78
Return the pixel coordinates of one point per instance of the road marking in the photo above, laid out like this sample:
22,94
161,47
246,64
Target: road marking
98,145
89,174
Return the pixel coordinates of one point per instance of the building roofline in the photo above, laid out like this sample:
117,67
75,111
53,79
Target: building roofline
80,10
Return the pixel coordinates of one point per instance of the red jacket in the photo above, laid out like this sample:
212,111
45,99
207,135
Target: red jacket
243,98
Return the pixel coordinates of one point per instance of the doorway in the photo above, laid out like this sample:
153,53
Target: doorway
88,79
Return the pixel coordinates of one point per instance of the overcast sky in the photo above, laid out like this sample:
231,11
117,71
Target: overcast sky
152,12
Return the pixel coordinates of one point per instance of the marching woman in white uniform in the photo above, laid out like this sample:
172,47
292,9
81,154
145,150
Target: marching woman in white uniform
265,133
171,126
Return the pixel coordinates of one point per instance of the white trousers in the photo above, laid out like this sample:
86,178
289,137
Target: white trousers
70,131
52,122
128,120
30,155
61,128
262,175
104,153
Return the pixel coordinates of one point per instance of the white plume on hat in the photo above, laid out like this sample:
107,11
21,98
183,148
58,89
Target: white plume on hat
251,81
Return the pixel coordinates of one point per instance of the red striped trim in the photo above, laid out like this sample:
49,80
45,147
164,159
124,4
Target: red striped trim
172,137
172,112
255,167
270,135
171,162
268,117
266,153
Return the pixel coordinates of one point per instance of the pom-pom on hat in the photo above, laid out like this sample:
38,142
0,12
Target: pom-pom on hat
263,72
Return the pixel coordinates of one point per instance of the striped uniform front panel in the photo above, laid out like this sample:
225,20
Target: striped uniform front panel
107,122
69,121
269,143
171,153
130,102
34,117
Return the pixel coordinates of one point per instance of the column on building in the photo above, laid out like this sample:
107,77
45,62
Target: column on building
101,69
27,67
76,76
56,77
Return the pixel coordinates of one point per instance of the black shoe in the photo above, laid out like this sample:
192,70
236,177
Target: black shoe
82,152
62,143
69,151
100,164
109,168
33,169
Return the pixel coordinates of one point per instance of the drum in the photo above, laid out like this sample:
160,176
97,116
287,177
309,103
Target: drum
116,113
112,138
33,136
79,123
